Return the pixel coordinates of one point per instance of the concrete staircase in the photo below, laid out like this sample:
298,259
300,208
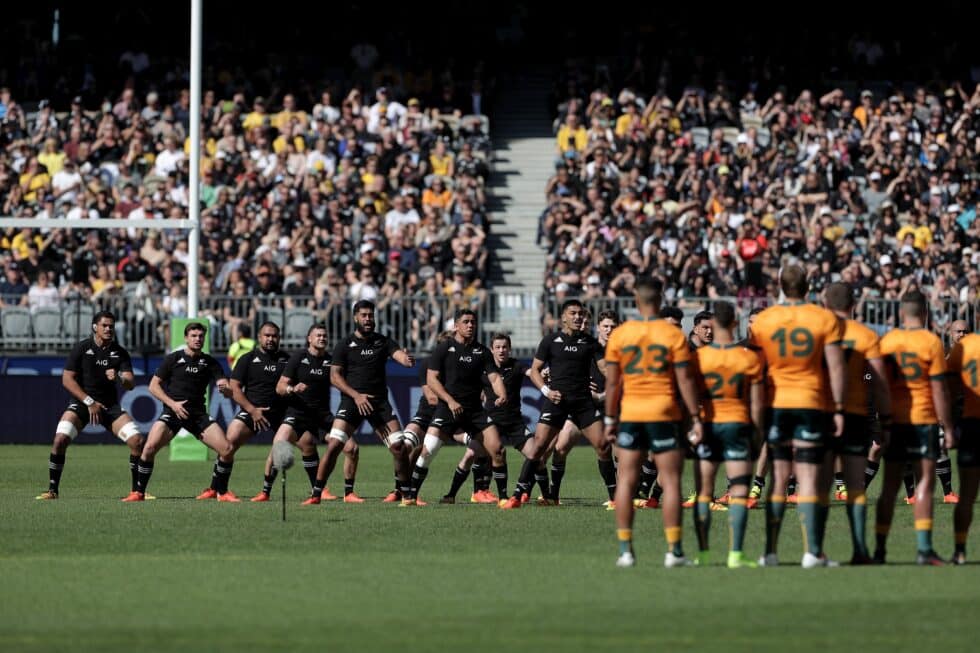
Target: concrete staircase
524,153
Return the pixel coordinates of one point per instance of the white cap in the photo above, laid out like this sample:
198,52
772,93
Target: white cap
562,287
885,260
953,208
875,176
742,138
894,136
262,249
593,279
367,247
935,190
825,210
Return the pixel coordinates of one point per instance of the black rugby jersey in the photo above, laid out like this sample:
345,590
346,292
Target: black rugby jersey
259,372
89,362
512,371
461,369
187,377
314,371
570,358
363,361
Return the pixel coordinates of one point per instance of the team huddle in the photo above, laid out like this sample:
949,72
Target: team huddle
808,390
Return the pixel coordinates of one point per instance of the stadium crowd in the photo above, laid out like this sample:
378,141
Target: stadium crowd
715,188
373,190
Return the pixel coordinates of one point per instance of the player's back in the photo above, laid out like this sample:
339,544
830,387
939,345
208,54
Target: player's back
860,345
647,353
792,338
964,359
727,372
915,358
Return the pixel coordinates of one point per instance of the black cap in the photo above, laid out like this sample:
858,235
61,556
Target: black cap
671,312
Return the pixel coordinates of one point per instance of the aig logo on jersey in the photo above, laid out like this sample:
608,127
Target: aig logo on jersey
316,371
102,362
570,348
271,368
466,359
367,352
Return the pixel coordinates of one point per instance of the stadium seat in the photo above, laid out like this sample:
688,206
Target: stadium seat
298,321
763,137
730,134
47,327
701,136
76,322
15,325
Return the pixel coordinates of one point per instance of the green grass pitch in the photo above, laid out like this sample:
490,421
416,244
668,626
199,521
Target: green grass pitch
88,573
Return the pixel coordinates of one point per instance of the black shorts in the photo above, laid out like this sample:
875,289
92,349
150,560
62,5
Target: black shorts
314,421
196,423
423,414
513,431
969,442
107,415
582,413
379,417
472,420
274,417
913,442
856,440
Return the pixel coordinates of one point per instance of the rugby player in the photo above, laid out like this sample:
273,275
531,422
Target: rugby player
358,370
917,380
862,357
963,361
305,386
796,340
455,375
647,370
569,435
93,368
733,401
181,385
570,354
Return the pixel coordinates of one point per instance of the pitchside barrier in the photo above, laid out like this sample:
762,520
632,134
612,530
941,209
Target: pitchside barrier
33,405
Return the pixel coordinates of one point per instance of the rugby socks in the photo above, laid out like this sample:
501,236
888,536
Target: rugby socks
738,517
268,480
214,477
500,478
857,513
909,480
944,470
477,474
870,471
459,477
134,462
759,482
838,481
310,464
808,510
656,492
625,537
223,472
526,478
418,478
607,470
775,509
702,520
56,463
823,512
648,476
791,486
541,478
486,476
923,535
348,486
557,474
145,471
673,535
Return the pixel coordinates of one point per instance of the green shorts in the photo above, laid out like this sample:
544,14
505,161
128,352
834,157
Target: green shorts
726,441
911,442
657,437
790,424
969,442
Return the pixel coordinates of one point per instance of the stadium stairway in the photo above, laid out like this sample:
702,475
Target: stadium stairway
524,152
